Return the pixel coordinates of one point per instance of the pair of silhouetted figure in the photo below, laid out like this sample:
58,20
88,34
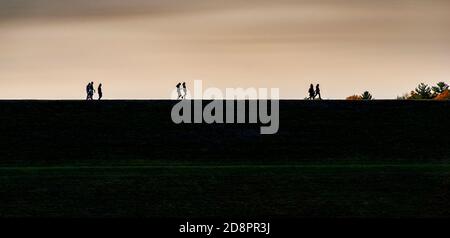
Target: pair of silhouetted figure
181,87
314,93
90,91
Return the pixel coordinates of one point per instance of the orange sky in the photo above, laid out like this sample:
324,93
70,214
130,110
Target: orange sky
141,49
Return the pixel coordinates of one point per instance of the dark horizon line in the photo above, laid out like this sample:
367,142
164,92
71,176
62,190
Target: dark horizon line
161,99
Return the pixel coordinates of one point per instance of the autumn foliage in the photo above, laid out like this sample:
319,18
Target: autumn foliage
445,95
423,91
354,97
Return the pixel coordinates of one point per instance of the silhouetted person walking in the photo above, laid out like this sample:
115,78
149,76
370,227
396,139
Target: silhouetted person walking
100,92
88,87
179,91
317,93
184,90
311,92
90,91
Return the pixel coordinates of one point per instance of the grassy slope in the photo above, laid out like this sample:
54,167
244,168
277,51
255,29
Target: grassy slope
334,159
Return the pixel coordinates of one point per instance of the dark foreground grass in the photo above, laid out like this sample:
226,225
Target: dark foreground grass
416,190
127,159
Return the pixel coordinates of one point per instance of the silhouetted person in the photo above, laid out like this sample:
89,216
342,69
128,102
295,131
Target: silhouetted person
179,91
318,92
311,91
100,92
88,87
184,90
91,91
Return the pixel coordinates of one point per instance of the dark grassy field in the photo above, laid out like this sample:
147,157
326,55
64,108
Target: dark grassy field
127,159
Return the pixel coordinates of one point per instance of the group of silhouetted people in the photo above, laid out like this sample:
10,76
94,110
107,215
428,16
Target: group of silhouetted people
181,90
314,93
90,91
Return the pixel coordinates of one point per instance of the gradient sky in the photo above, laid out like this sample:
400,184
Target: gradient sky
142,48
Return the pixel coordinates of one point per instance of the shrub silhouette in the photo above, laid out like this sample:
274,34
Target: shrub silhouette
439,88
405,96
366,96
445,95
413,95
354,97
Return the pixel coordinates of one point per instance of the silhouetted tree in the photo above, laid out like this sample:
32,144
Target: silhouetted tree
439,88
423,91
366,96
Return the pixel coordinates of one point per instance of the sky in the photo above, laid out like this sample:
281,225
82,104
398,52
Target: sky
140,49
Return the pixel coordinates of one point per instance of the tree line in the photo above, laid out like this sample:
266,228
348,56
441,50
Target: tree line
423,91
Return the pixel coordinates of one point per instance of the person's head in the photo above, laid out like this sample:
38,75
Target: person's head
317,85
100,85
311,86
